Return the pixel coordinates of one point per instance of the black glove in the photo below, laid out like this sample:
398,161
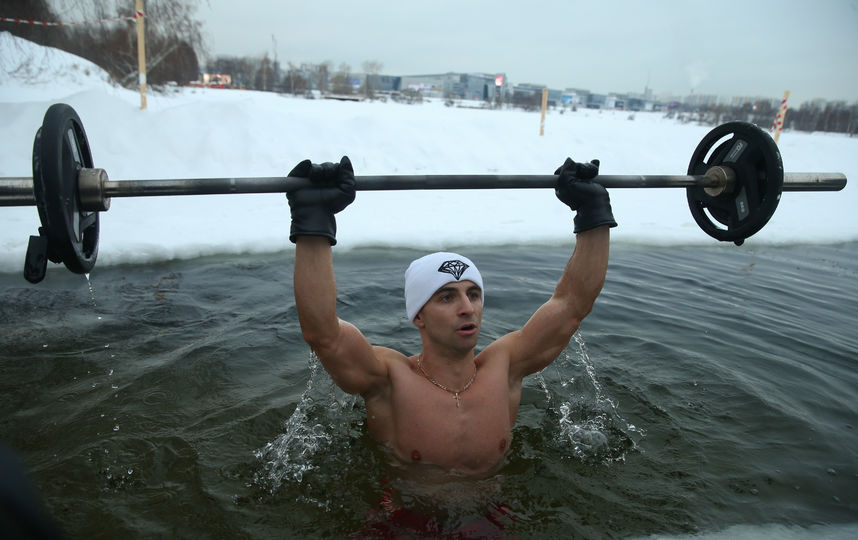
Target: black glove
589,199
313,208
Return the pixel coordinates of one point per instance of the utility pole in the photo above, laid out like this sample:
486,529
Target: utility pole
276,67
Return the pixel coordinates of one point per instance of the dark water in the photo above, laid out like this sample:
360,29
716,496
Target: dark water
711,389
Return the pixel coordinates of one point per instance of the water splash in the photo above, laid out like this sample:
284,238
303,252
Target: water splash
91,291
583,419
313,434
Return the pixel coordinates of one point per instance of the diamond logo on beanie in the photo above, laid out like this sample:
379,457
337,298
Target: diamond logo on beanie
455,268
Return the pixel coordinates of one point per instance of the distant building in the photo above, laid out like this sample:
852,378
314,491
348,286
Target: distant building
429,85
384,83
703,100
574,97
596,101
472,86
638,104
555,97
612,101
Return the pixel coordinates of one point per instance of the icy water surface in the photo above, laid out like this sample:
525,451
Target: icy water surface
711,389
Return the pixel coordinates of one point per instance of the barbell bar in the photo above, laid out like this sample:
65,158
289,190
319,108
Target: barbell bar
733,186
95,190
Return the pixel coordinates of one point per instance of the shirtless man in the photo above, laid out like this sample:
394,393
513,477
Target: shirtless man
445,406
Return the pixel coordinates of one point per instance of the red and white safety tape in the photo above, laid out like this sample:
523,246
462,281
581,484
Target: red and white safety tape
138,15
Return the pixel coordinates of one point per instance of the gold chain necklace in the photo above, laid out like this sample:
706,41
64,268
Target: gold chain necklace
441,386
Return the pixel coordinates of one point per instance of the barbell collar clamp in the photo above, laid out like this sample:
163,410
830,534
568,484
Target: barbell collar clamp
90,185
722,181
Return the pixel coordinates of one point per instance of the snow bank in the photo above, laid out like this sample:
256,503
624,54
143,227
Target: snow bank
211,133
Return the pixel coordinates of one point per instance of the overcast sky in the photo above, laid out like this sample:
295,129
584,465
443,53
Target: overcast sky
725,47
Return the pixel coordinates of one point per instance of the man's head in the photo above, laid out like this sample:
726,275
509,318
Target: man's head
431,272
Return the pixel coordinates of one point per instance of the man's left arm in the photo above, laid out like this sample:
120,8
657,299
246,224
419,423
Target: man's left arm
549,330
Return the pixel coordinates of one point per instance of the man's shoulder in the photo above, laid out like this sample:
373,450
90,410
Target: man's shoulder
389,356
386,352
395,364
498,354
501,347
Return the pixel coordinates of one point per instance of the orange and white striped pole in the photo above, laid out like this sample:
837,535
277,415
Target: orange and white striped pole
778,124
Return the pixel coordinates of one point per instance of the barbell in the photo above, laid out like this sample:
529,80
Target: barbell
733,186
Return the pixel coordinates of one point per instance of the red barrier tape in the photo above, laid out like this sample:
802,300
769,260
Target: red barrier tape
138,15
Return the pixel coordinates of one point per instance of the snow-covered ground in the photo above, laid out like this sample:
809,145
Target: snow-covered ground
191,133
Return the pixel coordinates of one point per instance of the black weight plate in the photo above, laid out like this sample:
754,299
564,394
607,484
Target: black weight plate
60,150
756,161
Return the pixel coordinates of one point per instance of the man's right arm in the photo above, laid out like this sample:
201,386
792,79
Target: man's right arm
344,352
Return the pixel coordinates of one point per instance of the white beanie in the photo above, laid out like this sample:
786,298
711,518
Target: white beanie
429,273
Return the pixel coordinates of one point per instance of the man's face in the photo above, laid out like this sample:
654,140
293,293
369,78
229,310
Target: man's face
453,315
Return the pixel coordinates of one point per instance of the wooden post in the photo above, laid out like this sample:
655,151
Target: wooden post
141,54
544,106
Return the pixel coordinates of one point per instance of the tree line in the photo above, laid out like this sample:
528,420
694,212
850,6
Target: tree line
830,117
264,74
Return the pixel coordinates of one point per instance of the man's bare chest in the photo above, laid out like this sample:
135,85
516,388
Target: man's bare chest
470,431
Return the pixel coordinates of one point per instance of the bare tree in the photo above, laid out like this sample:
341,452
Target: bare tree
242,70
264,79
321,74
34,10
371,69
295,82
173,35
341,80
